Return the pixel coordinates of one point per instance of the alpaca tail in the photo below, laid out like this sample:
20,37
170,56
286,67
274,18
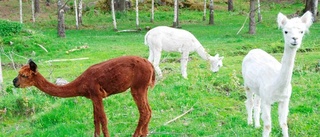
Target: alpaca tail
152,78
145,39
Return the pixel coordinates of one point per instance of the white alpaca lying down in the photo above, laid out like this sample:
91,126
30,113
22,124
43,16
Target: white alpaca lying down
177,40
269,80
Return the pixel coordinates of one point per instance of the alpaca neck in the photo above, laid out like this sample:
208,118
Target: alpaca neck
202,53
287,64
69,90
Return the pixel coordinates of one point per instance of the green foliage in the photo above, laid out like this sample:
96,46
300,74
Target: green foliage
25,104
216,99
8,28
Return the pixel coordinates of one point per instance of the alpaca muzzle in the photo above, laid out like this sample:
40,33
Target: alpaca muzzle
15,80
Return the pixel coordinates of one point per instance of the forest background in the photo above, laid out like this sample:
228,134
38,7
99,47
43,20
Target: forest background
214,101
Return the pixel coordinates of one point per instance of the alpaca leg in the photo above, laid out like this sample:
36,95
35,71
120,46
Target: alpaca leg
184,63
141,99
266,117
103,120
283,111
257,100
249,104
151,55
147,119
156,62
96,122
99,117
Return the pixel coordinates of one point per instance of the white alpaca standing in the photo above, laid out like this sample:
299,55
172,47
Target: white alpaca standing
269,80
177,40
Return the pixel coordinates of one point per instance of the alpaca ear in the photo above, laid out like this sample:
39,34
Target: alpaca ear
217,55
221,58
282,20
307,19
33,66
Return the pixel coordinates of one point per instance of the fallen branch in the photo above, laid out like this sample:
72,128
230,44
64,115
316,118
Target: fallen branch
63,60
243,24
179,116
77,48
42,47
128,30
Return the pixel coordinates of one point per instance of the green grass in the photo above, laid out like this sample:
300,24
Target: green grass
217,99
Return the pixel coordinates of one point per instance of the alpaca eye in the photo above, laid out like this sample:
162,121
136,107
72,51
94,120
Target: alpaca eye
24,76
301,32
285,32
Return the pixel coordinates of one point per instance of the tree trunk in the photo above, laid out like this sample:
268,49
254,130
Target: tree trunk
47,2
113,16
312,6
61,25
152,11
211,17
230,5
178,25
36,6
137,15
33,11
1,77
204,10
259,12
175,17
80,12
120,5
252,23
76,13
20,4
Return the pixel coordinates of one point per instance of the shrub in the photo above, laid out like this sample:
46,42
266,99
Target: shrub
8,28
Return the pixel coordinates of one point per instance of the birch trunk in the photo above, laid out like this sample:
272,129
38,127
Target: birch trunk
152,11
1,77
80,12
175,17
137,15
33,11
315,9
20,4
204,10
259,12
113,16
76,13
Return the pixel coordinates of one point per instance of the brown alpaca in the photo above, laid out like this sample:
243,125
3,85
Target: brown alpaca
100,81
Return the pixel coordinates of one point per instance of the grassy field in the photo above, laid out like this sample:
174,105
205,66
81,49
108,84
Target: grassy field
216,99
